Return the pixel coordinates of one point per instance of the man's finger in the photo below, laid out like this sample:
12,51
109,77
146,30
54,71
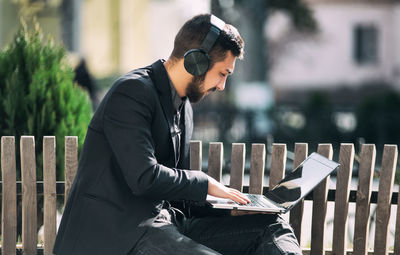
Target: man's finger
238,199
241,195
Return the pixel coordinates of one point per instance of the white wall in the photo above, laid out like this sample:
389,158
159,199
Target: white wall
148,28
96,37
327,59
167,17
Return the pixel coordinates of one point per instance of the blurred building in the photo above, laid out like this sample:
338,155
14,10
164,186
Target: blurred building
357,45
114,36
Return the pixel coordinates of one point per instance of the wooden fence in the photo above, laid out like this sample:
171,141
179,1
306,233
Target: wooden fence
29,188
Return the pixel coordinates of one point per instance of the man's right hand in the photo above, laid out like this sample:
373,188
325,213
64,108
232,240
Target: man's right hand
217,189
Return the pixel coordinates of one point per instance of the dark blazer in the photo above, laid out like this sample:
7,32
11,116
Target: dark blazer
126,167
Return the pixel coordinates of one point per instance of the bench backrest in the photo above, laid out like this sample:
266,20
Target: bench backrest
342,195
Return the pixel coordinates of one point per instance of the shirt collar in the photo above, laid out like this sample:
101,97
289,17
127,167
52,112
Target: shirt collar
177,101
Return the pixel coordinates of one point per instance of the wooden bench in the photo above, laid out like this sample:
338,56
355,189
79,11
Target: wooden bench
29,188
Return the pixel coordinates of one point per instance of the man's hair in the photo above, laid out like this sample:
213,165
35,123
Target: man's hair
193,32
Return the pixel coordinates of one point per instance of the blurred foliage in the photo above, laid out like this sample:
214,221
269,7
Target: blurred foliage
313,122
318,112
377,116
38,96
378,121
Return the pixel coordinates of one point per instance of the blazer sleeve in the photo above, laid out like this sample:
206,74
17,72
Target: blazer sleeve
127,127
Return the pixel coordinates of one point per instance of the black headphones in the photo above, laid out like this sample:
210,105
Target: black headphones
197,61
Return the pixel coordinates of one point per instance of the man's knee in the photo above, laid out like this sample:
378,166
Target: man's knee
162,238
279,238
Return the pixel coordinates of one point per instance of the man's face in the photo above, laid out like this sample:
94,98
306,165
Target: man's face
213,80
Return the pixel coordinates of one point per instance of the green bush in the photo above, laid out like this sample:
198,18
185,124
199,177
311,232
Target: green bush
38,96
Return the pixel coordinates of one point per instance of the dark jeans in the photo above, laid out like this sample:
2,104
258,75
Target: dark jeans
172,233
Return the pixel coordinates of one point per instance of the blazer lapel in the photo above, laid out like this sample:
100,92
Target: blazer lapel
161,82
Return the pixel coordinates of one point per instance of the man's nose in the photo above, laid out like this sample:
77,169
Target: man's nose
221,85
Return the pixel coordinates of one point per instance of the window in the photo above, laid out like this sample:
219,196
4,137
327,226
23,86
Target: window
365,47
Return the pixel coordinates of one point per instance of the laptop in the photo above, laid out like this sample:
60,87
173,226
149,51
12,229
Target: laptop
288,192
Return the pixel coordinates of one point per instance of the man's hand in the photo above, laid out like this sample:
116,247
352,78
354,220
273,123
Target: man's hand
217,189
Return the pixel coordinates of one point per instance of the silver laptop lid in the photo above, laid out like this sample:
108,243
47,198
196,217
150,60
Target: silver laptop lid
302,180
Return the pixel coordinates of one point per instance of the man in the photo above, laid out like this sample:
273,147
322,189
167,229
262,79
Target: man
135,158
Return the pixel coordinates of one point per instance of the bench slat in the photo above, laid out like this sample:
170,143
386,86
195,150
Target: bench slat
71,162
9,195
278,164
215,158
195,155
366,168
29,199
346,160
296,214
389,161
49,186
320,198
237,166
257,168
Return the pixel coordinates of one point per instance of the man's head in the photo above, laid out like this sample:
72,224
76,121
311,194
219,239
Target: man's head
193,33
228,46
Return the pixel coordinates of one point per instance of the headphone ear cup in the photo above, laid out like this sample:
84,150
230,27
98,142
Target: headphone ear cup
196,62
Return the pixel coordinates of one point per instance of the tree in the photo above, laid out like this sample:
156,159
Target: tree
38,96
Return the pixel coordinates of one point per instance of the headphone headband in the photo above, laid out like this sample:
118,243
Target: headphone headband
217,25
217,22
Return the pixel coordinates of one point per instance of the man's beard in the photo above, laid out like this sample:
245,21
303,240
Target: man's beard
195,89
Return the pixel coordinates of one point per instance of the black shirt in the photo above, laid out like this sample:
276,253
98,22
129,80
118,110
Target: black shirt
178,104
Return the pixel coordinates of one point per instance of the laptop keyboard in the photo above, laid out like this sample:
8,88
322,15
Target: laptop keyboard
255,201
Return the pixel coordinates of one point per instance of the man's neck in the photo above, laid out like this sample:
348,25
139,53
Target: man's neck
178,75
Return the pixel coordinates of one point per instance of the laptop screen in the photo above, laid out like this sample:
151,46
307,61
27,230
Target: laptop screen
302,180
